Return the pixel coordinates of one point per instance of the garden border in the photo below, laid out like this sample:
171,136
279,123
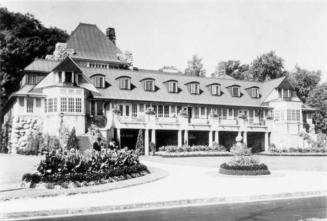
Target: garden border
293,154
154,175
194,154
244,172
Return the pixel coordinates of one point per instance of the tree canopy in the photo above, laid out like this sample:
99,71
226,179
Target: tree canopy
304,81
22,39
232,68
195,67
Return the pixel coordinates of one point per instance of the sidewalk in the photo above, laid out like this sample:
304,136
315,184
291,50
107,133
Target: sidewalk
183,186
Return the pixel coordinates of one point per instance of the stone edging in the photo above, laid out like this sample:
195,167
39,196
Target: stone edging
155,175
159,205
194,154
293,154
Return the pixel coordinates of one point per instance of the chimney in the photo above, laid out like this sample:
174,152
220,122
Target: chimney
111,35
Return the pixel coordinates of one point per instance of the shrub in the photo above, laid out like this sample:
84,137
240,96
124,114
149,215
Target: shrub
140,143
194,148
72,142
62,166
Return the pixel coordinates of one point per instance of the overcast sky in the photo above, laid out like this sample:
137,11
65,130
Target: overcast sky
170,32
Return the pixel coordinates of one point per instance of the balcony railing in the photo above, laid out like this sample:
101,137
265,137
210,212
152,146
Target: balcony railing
228,122
199,121
257,122
166,120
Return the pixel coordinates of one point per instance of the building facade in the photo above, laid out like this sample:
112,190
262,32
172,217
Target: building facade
89,80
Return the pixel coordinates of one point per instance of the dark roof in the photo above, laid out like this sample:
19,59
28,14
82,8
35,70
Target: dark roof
42,65
90,43
161,94
67,65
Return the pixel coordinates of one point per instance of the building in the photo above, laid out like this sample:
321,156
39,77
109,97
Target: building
88,79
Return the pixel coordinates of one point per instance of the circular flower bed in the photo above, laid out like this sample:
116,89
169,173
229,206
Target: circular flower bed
65,169
243,163
253,170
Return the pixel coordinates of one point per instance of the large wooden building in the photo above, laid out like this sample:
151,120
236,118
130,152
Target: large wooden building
88,79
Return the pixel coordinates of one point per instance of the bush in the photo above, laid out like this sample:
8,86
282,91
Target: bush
244,167
194,148
63,166
72,142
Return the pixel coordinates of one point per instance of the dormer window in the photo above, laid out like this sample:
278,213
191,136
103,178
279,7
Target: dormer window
235,91
172,87
195,88
125,83
255,92
149,85
98,81
215,89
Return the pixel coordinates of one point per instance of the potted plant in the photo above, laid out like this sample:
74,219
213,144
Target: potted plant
183,113
150,111
116,111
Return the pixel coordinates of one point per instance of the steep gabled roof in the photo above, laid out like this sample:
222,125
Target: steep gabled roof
90,43
269,86
41,65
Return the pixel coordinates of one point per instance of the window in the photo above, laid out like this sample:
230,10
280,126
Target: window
124,84
63,104
38,102
134,110
68,76
297,115
166,111
98,81
215,89
230,113
224,113
127,110
78,102
149,85
121,109
141,107
235,92
203,111
255,92
173,110
235,114
195,88
160,111
276,116
172,87
282,115
99,105
70,104
55,104
45,105
21,101
29,105
50,105
196,112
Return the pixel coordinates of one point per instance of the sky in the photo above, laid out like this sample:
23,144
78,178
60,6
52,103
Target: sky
169,32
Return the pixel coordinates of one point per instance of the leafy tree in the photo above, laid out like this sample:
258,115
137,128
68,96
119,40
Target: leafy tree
232,68
72,142
318,98
195,67
140,142
304,81
267,66
22,39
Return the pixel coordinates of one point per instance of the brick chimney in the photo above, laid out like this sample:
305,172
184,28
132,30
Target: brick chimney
111,35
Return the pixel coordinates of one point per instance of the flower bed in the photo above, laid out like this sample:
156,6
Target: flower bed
297,150
193,154
175,149
64,169
243,163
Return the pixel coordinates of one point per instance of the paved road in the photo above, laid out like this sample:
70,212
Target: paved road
281,210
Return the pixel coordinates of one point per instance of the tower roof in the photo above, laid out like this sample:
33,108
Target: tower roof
90,43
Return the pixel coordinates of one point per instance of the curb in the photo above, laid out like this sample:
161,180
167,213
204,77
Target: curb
158,205
156,174
293,154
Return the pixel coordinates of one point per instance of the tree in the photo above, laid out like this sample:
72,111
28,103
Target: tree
22,39
318,98
140,142
267,66
72,142
195,67
304,81
232,68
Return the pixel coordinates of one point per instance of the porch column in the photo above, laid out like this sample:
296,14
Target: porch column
266,141
118,138
63,76
245,137
210,138
186,137
153,136
179,139
217,136
146,142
